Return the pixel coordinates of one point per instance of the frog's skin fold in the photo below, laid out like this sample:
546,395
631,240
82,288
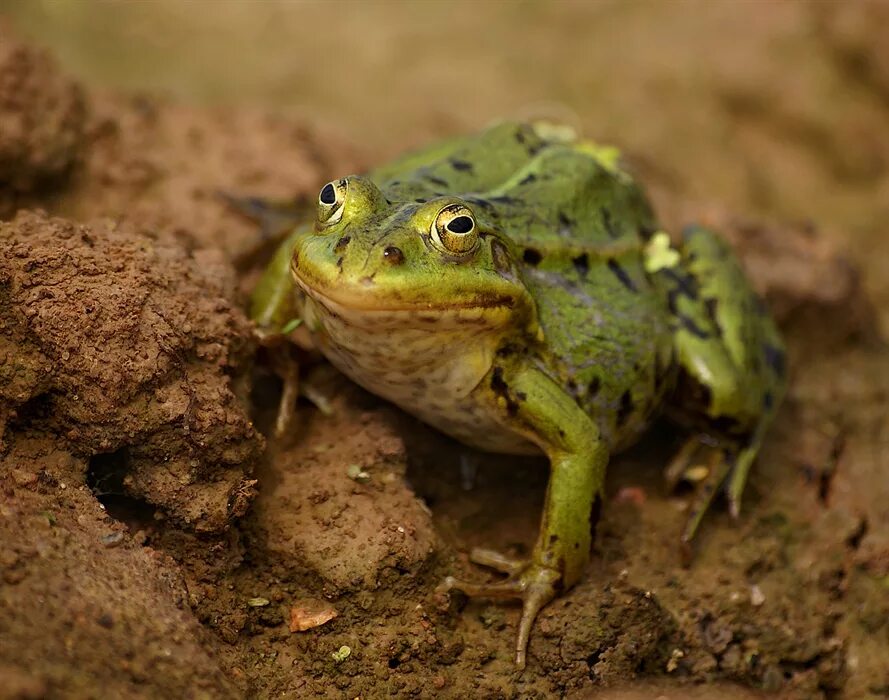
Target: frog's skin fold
512,289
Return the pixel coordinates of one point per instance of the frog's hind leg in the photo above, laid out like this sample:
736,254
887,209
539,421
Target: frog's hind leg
731,367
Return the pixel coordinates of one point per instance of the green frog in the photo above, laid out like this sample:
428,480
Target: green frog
513,289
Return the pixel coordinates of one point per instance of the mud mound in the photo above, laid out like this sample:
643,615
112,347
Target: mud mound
42,117
168,166
127,346
83,606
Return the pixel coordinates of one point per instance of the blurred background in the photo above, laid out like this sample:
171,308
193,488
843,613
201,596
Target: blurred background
776,108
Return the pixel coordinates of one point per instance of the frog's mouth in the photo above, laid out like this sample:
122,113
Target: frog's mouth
362,303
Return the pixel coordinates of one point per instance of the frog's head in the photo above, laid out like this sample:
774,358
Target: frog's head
415,262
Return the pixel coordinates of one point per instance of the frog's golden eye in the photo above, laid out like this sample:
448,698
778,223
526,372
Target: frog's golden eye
330,202
454,230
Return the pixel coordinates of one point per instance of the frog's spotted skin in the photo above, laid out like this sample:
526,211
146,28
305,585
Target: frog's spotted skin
507,288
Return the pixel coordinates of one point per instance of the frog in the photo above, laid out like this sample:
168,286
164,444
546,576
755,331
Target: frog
513,289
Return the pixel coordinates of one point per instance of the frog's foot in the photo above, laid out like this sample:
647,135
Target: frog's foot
708,466
535,585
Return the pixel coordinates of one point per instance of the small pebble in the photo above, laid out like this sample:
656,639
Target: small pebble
757,597
356,473
631,494
112,540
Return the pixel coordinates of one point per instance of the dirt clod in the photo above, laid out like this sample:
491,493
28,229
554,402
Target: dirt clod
42,117
131,351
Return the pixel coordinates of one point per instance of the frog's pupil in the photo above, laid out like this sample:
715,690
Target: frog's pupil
460,224
328,194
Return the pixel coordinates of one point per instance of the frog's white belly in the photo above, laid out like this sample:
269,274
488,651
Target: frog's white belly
428,364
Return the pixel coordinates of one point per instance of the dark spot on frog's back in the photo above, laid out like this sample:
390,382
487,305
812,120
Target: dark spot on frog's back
622,275
673,301
480,202
505,199
626,407
528,179
775,358
692,327
685,283
532,256
711,305
461,165
595,386
608,222
436,180
582,264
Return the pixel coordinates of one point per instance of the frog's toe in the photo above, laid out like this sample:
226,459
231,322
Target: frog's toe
284,364
709,466
497,561
676,469
708,477
533,584
287,405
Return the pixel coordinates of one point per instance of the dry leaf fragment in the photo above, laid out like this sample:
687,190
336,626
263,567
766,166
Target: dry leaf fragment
309,613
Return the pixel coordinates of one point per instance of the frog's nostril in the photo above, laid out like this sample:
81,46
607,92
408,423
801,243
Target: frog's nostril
393,255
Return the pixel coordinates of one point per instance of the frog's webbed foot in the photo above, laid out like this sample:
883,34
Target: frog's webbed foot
709,465
533,584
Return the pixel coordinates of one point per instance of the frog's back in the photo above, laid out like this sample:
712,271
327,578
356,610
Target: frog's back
606,328
576,225
540,187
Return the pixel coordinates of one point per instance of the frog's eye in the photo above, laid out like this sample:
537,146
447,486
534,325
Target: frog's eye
454,230
330,202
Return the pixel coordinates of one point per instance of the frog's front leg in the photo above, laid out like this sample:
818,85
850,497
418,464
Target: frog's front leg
273,311
536,406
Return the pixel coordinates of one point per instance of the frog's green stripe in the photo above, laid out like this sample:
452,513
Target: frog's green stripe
605,156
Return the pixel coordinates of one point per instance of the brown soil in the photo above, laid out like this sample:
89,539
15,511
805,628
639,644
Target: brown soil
153,545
